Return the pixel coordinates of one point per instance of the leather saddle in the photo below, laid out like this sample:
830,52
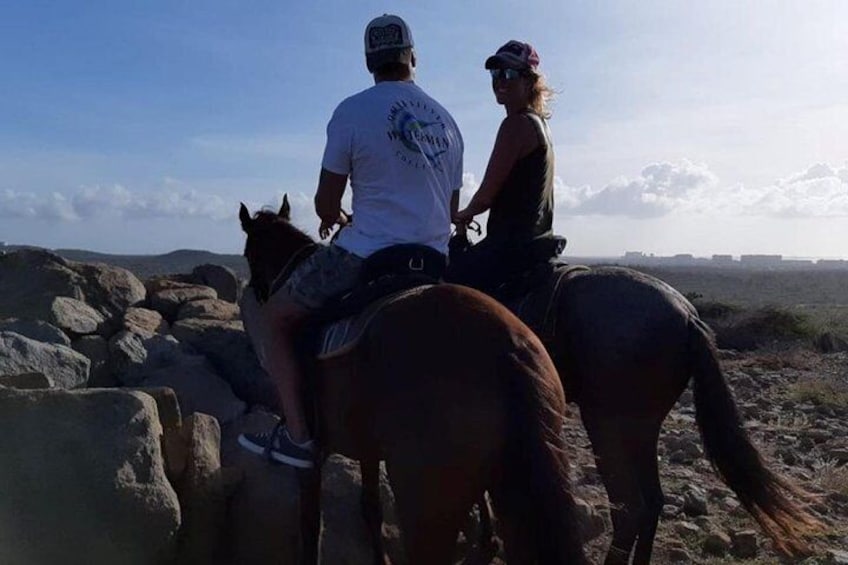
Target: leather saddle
388,275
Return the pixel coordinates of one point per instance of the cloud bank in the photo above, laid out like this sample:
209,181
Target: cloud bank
660,189
665,188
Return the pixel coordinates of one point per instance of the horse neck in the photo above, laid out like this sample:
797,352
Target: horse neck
293,249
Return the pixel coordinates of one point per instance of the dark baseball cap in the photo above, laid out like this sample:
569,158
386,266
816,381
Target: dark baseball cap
514,55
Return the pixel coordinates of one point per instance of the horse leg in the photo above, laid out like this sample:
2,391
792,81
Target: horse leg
309,481
519,542
616,467
487,544
372,511
649,480
430,511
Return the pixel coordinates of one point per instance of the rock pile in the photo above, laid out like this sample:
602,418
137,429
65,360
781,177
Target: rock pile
114,397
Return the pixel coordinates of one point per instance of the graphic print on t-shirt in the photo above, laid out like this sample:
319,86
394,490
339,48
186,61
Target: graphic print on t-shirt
419,133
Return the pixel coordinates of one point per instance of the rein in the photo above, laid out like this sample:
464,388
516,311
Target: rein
297,257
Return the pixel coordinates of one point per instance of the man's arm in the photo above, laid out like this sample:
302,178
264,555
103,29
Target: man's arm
328,200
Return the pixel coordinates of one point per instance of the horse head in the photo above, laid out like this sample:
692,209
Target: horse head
272,242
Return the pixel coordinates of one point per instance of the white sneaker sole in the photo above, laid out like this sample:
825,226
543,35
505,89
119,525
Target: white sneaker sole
279,457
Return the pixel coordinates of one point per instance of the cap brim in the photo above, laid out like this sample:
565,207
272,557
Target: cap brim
379,58
506,61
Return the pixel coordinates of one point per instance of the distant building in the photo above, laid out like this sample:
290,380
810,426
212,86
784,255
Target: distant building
633,255
722,259
832,263
760,260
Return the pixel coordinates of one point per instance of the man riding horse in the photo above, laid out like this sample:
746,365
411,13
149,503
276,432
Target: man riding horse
402,152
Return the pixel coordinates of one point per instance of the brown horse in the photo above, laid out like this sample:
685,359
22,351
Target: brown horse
458,396
626,345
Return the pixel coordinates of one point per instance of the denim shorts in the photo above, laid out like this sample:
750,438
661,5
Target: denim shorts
327,273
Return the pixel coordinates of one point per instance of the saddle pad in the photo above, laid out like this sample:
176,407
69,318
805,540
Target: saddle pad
339,337
536,308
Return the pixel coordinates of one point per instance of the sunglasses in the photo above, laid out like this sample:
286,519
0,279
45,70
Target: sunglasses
505,74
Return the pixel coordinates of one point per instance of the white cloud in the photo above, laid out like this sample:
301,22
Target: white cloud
52,206
685,188
661,188
115,201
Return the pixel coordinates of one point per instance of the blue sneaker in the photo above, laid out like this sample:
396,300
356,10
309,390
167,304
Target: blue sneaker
276,445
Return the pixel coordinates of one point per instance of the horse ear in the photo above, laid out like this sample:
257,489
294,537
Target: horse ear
244,216
285,209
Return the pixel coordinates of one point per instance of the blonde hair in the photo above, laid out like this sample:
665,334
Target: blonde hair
541,94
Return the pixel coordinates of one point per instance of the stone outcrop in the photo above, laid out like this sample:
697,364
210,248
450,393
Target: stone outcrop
144,322
82,479
38,330
209,309
198,388
166,296
31,279
229,350
96,349
223,279
63,367
74,317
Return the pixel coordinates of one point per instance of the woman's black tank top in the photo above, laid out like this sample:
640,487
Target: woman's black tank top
523,209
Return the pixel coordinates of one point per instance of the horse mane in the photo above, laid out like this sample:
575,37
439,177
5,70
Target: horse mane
268,218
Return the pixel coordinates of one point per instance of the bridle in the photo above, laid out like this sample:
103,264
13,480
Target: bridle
296,259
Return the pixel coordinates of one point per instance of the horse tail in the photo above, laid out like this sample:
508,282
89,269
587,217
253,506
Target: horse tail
534,500
736,460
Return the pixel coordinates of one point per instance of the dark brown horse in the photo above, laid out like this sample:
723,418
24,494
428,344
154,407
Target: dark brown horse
626,346
458,396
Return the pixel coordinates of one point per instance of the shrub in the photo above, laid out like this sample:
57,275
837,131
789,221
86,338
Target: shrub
745,330
824,392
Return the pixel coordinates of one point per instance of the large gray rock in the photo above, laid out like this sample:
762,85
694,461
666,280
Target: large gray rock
209,309
63,366
31,279
96,349
264,508
132,357
228,348
203,489
38,330
26,381
144,322
82,479
263,512
109,289
74,317
198,388
167,297
223,279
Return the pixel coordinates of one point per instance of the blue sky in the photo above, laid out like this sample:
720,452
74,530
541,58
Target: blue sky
680,127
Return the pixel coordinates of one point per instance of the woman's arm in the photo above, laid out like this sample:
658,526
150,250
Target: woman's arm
516,138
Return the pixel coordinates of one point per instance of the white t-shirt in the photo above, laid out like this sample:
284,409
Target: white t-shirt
403,153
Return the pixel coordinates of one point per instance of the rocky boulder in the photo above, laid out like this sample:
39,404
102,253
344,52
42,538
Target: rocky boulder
228,348
31,279
132,356
198,388
109,289
64,367
96,349
209,309
82,479
74,317
166,297
144,322
223,279
38,330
